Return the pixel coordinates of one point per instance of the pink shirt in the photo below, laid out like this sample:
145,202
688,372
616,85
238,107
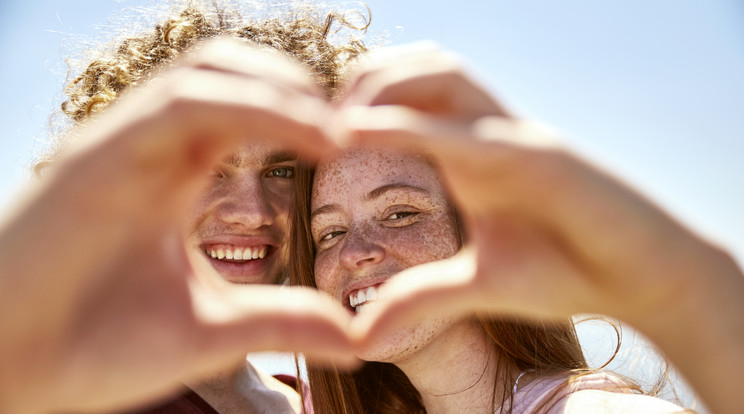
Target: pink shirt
593,393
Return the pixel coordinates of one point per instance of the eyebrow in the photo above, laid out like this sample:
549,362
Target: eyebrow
379,191
280,156
326,209
236,160
372,195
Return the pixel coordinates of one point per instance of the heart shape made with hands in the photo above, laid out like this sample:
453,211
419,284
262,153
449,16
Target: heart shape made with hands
548,234
543,239
520,257
542,226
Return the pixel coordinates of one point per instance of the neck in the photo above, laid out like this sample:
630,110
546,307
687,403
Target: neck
456,372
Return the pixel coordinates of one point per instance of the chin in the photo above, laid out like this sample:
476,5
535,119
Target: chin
407,342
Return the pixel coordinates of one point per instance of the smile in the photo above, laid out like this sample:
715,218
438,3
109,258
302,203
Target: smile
237,253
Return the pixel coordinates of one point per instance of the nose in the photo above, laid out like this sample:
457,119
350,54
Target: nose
360,250
245,202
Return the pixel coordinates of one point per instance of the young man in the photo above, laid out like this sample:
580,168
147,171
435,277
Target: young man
236,233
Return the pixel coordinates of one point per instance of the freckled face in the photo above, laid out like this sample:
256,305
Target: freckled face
374,214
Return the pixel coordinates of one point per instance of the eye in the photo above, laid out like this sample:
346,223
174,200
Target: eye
281,172
331,235
400,214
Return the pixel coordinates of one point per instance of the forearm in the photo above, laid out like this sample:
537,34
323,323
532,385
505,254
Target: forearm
702,333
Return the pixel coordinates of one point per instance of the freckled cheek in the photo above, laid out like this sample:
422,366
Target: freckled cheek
324,274
426,244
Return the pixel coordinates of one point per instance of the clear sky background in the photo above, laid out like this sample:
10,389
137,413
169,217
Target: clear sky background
651,89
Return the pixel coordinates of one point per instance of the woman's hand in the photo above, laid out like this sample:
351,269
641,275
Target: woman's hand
100,306
549,234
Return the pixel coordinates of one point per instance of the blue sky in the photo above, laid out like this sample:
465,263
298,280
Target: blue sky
652,90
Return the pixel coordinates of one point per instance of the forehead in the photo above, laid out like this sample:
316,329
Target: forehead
358,171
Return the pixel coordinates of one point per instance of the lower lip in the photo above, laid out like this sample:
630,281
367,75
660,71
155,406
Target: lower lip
249,271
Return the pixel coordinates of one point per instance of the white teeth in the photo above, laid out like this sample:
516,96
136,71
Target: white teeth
238,253
371,294
362,297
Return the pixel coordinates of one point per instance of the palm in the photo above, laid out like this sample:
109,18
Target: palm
119,314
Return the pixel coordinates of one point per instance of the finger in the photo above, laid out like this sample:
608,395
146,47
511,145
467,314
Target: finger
212,112
501,162
160,138
424,77
158,143
248,59
262,81
432,290
496,164
407,128
260,318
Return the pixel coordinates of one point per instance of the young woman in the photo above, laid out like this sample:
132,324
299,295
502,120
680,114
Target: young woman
375,213
540,229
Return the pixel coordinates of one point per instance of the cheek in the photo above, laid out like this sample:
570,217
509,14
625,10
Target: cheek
323,273
436,240
197,212
281,195
281,200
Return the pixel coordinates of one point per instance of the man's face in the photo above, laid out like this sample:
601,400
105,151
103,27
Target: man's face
238,228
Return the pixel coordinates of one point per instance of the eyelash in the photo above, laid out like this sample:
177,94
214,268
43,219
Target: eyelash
404,213
289,172
332,233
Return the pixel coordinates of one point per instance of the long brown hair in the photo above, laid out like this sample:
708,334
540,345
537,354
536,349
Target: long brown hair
544,347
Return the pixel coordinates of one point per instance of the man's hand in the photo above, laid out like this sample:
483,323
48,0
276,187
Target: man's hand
101,308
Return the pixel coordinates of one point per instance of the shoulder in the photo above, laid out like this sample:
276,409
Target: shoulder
601,393
607,402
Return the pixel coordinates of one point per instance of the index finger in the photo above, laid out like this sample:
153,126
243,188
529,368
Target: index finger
424,77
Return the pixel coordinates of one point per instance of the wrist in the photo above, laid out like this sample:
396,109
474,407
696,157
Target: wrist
708,295
702,332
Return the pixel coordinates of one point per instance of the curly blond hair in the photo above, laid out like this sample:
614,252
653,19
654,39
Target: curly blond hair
305,31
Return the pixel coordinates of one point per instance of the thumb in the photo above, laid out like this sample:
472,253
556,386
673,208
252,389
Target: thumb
262,318
431,290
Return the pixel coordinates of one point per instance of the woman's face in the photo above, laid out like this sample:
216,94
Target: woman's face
375,213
